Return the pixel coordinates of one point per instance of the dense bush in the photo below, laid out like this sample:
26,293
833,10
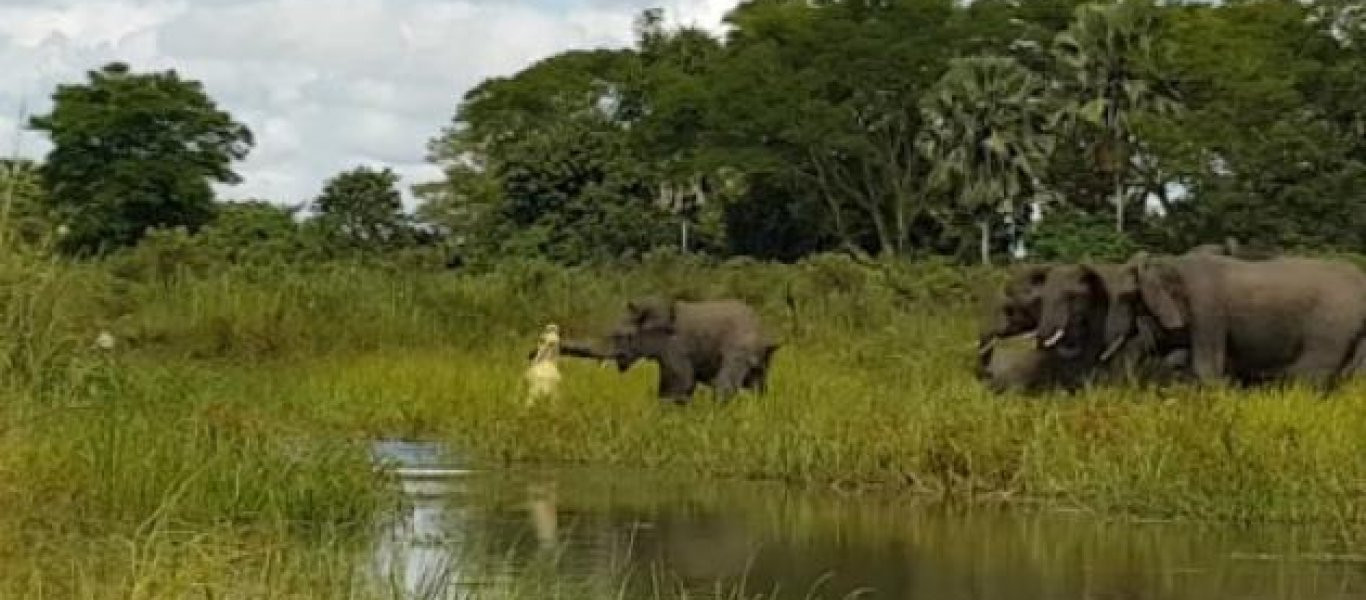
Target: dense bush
1071,235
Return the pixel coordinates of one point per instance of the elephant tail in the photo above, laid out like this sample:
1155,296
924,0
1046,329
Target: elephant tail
1354,363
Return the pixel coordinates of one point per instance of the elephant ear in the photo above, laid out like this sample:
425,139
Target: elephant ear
1121,283
1032,276
652,314
1024,288
1160,287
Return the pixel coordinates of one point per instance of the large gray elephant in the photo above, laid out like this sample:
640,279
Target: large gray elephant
1016,309
1250,321
1231,247
1083,357
720,343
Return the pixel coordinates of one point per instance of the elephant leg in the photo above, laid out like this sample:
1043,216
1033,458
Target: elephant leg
1320,365
676,381
1209,348
1356,363
757,380
735,369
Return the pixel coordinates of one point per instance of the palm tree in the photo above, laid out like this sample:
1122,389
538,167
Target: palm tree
1102,57
986,132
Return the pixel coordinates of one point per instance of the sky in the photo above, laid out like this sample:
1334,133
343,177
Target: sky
325,85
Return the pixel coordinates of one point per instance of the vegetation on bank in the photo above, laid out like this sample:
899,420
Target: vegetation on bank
873,389
224,435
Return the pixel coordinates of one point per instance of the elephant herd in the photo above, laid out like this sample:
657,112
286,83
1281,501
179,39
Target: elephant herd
1212,314
1215,313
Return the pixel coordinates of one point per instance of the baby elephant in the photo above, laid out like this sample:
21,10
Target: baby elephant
1020,370
720,343
1028,370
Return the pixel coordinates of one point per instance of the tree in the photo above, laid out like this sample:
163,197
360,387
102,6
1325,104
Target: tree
823,96
1104,58
362,209
135,151
1271,148
668,124
544,163
986,130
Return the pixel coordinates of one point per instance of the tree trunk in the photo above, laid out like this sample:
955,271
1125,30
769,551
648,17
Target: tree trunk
884,241
985,225
1119,203
683,243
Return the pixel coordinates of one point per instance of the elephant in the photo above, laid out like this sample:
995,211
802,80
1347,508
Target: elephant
1015,311
1249,321
1024,370
1152,357
720,343
1231,247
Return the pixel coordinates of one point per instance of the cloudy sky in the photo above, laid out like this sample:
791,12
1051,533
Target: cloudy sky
324,84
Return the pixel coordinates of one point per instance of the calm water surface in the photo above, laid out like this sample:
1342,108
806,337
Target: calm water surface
570,533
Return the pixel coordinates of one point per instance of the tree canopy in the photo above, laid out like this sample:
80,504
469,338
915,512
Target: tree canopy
881,127
132,151
362,209
798,131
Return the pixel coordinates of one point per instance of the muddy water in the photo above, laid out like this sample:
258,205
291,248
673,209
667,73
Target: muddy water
573,533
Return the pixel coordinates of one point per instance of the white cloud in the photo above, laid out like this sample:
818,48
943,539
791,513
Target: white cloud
324,84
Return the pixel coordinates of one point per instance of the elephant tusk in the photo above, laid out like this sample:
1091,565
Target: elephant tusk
984,349
1055,338
1113,348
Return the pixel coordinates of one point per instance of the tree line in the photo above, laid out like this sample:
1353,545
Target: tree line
907,128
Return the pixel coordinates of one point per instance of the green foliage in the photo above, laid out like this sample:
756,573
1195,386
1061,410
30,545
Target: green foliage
795,133
987,134
1069,235
362,210
1269,150
256,231
542,164
821,99
133,151
1107,68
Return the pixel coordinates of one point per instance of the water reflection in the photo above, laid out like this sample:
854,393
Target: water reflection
590,534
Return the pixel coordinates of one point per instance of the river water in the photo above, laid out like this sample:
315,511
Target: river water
460,532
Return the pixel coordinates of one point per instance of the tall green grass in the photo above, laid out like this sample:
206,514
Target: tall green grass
233,411
873,389
122,480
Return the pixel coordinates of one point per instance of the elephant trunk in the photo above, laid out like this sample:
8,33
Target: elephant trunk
1119,327
986,343
583,349
602,351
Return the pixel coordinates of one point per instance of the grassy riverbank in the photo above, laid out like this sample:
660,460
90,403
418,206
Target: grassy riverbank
224,432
